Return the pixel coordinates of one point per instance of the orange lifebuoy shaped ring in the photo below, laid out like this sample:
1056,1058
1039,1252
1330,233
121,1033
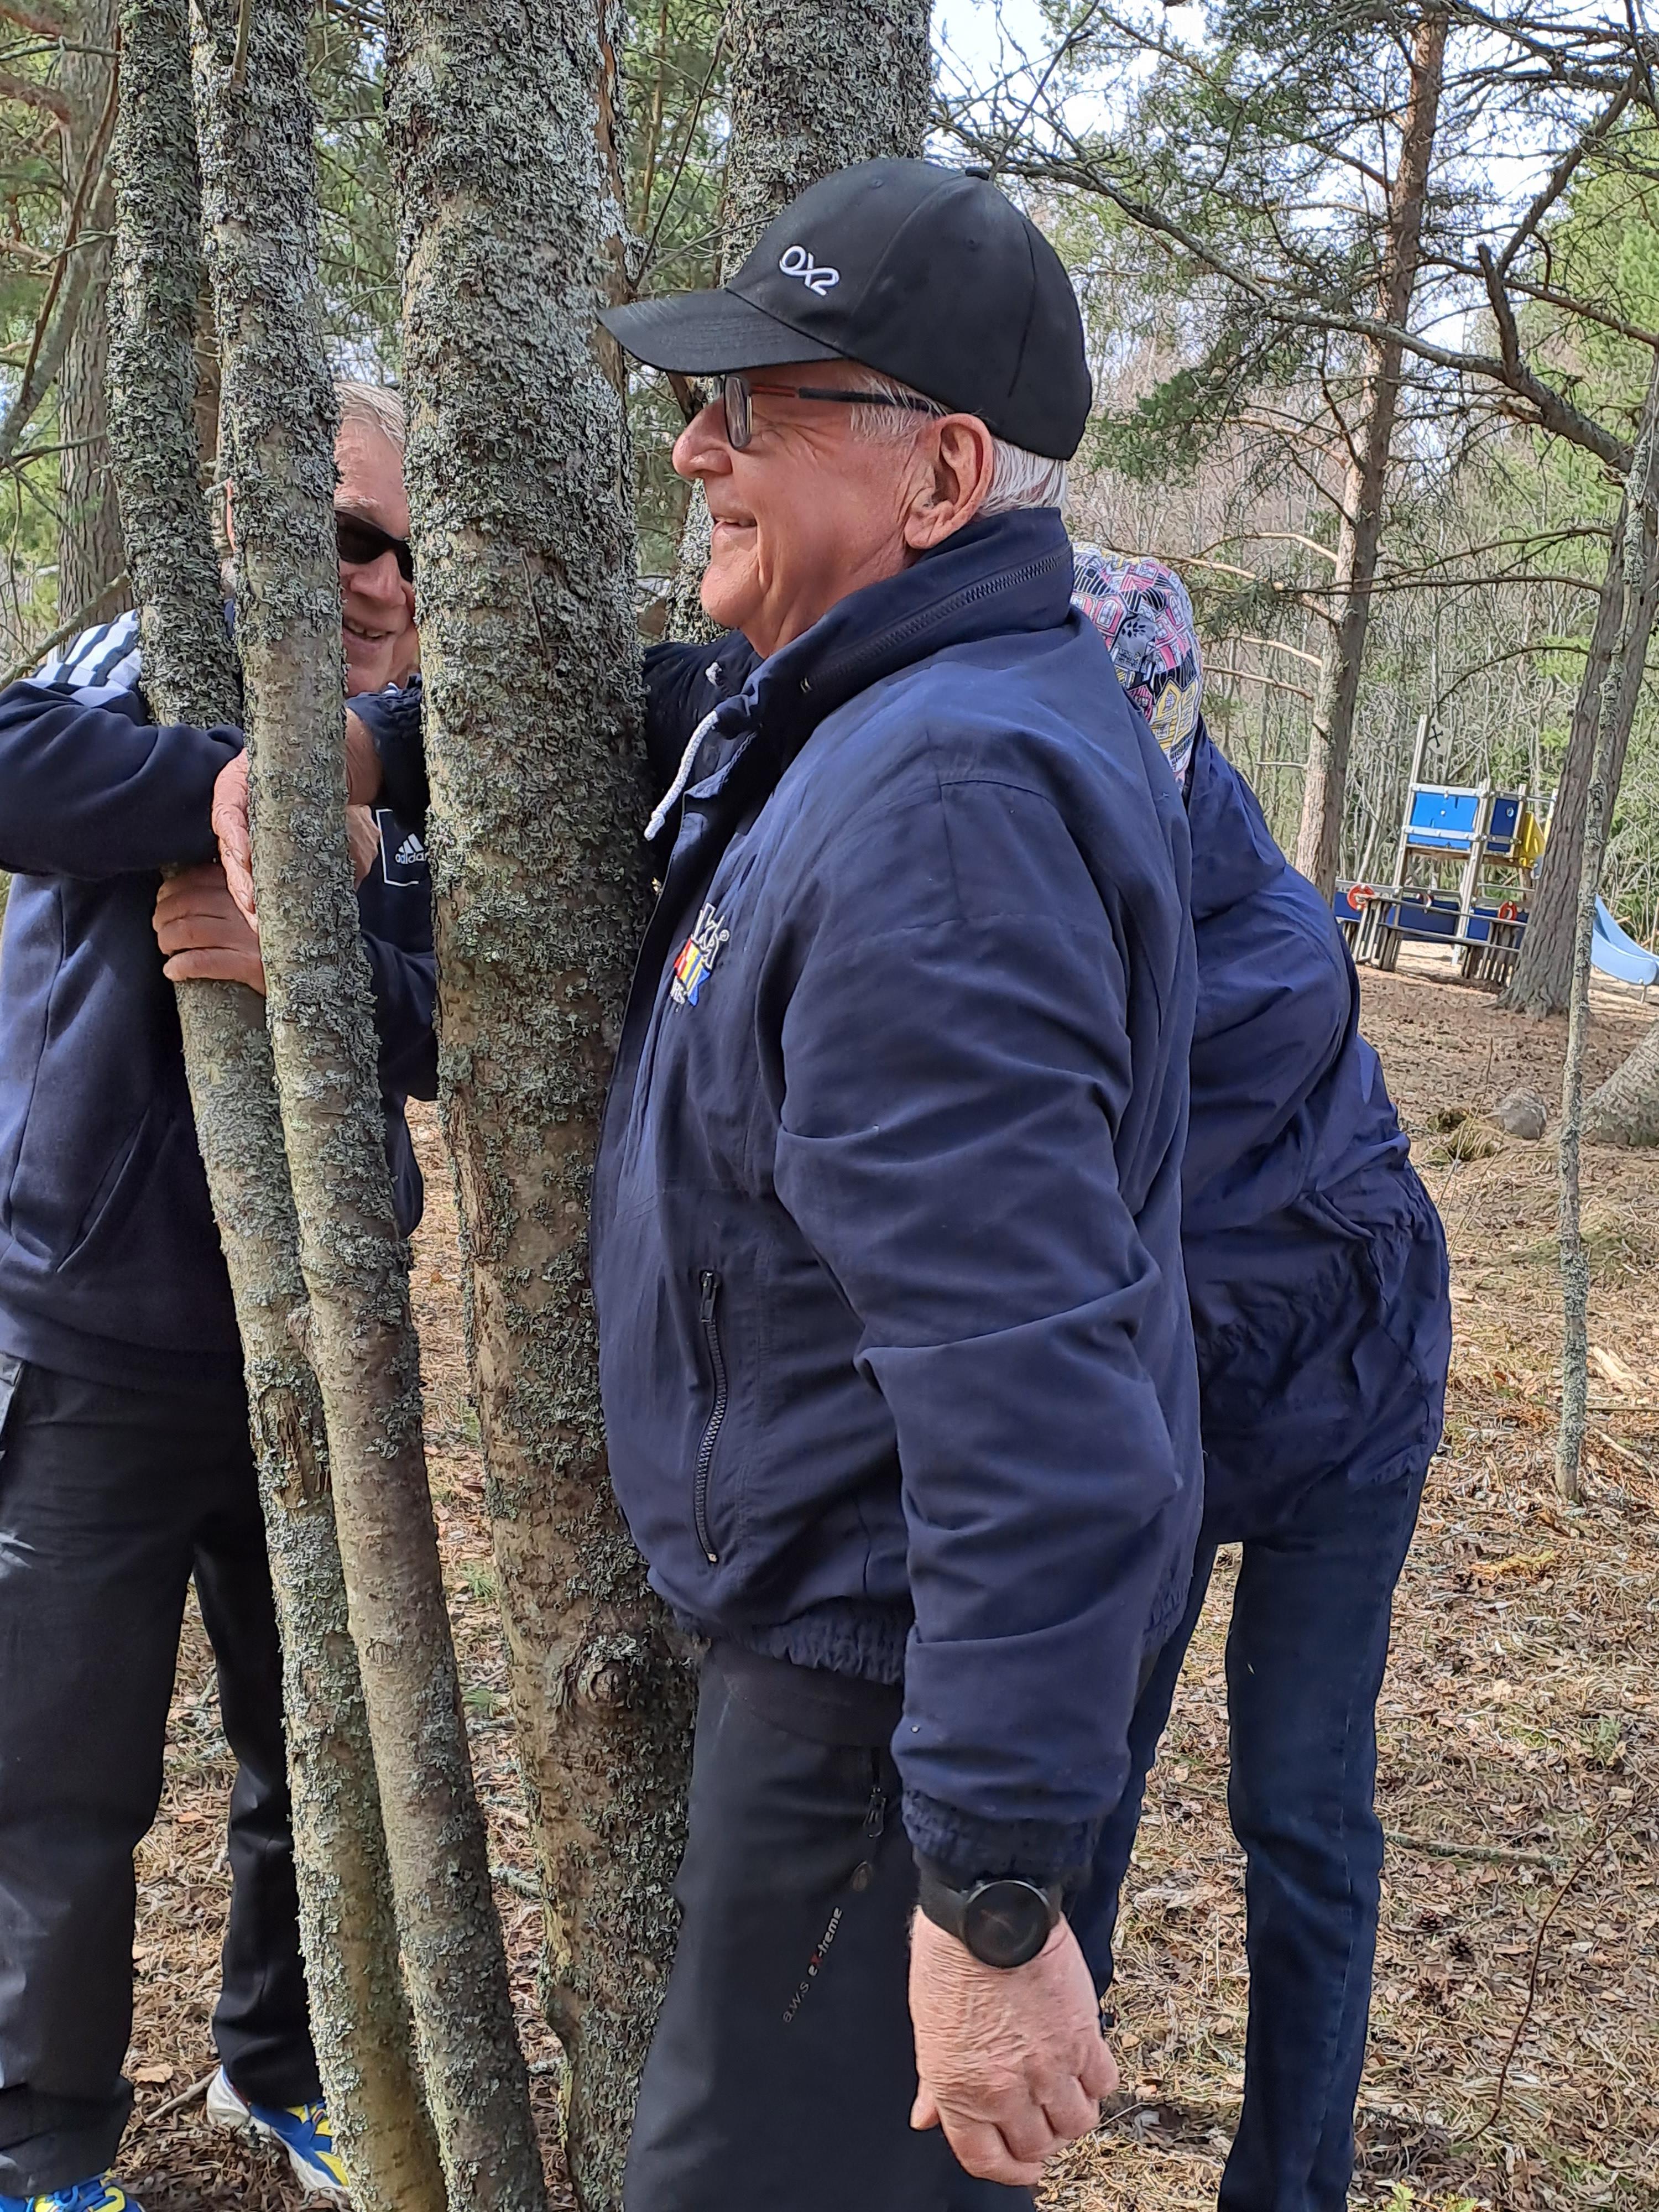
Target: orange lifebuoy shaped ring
1509,911
1360,897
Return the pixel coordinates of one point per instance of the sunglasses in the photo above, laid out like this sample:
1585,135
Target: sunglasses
737,396
361,542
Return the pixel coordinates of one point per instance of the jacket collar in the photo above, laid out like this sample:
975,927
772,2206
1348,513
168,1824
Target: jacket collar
1010,574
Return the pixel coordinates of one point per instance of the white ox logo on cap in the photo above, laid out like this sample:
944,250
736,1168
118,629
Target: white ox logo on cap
798,262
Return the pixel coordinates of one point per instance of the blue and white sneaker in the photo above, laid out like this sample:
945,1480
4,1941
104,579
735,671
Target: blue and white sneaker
99,2195
302,2130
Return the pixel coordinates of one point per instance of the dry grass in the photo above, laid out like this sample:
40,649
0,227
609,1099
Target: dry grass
1520,1717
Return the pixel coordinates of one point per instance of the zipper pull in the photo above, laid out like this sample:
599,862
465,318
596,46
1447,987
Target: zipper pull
875,1817
709,1283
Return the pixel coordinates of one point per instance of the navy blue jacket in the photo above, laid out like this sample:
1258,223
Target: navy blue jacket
109,1264
1314,1258
896,1360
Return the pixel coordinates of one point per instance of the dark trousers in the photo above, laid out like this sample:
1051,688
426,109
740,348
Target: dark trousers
1305,1654
109,1500
784,2069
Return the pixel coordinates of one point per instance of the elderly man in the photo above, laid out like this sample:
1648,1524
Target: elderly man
126,1466
886,1225
886,1228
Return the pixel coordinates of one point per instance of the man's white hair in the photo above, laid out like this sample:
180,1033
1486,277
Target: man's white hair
1018,478
376,407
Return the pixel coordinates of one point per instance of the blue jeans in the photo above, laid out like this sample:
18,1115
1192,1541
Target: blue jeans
1305,1653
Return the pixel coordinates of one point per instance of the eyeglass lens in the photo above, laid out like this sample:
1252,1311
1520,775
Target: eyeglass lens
360,542
739,418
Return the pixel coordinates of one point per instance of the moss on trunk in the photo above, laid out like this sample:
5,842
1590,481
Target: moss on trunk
500,119
359,2017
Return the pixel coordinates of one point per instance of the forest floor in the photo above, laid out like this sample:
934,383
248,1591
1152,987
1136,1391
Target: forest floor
1515,2056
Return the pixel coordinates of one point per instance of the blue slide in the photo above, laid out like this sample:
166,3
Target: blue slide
1615,952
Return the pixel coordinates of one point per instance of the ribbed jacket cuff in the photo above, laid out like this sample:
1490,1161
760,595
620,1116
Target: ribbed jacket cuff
964,1849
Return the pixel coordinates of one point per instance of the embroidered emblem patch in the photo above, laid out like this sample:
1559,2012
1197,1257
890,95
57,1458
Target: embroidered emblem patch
697,956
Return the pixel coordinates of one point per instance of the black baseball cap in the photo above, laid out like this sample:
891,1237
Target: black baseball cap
925,274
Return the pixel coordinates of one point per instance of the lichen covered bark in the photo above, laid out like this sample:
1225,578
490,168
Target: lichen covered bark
501,129
813,86
359,2015
255,132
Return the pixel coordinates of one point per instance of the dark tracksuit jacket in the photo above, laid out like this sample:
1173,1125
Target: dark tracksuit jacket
897,1359
1314,1257
110,1265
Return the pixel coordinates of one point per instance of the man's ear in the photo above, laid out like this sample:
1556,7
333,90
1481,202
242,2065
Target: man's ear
958,484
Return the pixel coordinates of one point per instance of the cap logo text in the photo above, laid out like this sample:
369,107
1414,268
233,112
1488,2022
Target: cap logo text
798,262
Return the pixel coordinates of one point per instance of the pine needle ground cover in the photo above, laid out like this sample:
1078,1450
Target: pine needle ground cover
1514,2060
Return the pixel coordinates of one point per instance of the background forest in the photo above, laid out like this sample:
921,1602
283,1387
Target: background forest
1263,140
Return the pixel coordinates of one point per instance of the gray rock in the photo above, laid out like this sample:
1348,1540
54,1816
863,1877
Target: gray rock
1523,1114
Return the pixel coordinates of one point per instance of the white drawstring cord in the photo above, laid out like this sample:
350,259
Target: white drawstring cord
671,798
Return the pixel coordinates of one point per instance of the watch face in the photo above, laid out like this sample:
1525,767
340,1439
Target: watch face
1005,1923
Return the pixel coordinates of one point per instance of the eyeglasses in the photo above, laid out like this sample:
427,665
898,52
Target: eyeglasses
737,393
361,541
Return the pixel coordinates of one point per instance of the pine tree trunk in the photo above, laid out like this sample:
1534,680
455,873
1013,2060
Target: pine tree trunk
1642,500
813,86
1625,1109
89,557
1360,535
255,130
500,113
1542,981
359,2020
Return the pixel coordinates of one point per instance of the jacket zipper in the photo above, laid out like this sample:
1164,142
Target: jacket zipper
709,1284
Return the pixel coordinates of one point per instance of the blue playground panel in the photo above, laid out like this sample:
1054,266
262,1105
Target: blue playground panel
1442,820
1438,914
1433,917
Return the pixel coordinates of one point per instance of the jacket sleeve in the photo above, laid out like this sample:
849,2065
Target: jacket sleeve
405,995
392,718
954,1085
96,790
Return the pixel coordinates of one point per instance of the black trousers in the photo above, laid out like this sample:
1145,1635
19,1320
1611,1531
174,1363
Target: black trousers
784,2068
109,1500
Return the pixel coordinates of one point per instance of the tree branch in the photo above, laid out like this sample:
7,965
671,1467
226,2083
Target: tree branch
34,95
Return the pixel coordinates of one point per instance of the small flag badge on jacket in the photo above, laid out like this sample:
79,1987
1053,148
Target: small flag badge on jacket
697,956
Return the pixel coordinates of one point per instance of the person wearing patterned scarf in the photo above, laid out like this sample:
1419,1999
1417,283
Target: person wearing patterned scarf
1143,614
1316,1267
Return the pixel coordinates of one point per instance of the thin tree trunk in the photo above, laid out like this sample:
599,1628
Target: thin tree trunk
359,2020
501,113
1641,493
89,557
1360,535
1542,981
255,129
813,86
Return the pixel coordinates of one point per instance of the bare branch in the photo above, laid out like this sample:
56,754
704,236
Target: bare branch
34,95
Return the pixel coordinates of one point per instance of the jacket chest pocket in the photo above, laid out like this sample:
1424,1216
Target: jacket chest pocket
708,1319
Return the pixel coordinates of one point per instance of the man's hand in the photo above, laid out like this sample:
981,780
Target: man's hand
363,837
202,932
230,823
1011,2060
230,827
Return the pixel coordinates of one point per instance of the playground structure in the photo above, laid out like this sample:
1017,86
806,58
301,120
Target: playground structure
1494,840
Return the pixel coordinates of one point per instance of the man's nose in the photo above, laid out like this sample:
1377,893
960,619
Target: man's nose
379,578
700,449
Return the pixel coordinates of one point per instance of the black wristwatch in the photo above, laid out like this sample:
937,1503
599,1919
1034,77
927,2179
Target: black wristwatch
1004,1923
